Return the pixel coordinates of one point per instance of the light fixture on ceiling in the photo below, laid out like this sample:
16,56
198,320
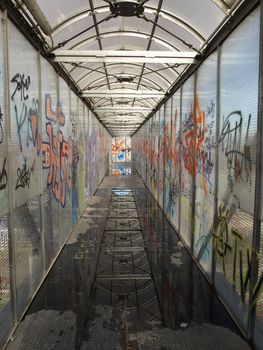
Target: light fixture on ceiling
126,8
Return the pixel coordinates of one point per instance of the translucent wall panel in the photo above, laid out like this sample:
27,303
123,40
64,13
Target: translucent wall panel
87,155
92,151
66,159
167,155
161,154
149,152
258,297
24,118
155,155
82,158
237,155
174,196
74,121
51,204
5,293
6,316
205,124
187,161
28,261
4,204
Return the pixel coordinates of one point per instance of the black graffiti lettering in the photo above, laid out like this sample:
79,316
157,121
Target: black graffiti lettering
244,280
20,121
3,177
24,175
22,86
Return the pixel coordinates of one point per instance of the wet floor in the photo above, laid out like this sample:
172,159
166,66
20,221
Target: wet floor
125,281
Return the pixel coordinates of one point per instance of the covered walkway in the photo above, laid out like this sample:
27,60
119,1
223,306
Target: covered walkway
125,281
131,149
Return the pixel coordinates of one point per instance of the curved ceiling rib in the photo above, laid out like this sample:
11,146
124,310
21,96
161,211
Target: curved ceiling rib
143,35
131,65
222,5
172,26
165,14
157,86
116,74
144,103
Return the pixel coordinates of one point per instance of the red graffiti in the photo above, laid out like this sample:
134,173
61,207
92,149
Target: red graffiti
57,156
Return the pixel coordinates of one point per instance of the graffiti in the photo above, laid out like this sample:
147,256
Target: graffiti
30,119
3,177
24,175
230,241
198,142
22,86
33,118
20,121
120,150
239,163
57,154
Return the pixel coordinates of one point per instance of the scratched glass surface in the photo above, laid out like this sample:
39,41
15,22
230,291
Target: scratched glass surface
173,209
187,160
167,153
205,139
24,118
237,164
161,155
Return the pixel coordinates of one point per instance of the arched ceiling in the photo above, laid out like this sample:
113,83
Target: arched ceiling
168,26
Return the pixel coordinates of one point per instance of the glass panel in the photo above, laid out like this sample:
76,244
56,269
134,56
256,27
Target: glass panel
187,162
51,203
174,198
65,161
28,261
24,118
167,157
161,155
237,155
5,293
74,120
205,114
82,159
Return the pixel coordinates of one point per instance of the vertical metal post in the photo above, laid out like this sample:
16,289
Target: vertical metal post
11,234
258,190
41,206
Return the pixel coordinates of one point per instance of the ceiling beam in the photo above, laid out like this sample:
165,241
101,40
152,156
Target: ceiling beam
125,108
119,93
122,56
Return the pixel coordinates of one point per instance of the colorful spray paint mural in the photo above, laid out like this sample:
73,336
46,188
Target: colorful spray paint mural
210,169
121,150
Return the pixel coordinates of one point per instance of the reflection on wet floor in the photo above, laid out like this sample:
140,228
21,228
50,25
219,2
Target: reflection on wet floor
121,169
125,281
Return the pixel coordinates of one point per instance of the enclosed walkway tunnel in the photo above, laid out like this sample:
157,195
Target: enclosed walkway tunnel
131,174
